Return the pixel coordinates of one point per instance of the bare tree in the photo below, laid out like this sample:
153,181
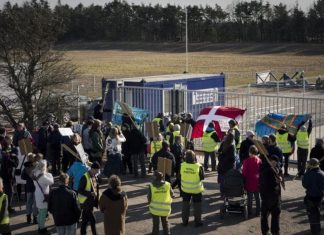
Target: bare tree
30,69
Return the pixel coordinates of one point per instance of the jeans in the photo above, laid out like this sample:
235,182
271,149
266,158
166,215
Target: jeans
313,206
30,204
272,207
66,230
197,199
302,155
286,156
156,225
42,213
8,188
88,216
250,200
139,158
213,160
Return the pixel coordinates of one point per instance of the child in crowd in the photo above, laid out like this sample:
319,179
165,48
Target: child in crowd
251,174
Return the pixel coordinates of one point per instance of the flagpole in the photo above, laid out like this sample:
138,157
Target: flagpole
187,63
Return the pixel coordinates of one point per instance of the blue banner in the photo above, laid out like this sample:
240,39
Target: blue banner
139,114
274,121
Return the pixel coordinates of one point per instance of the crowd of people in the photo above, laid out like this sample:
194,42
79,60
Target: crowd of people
113,151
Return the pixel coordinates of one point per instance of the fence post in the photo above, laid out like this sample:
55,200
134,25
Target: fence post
277,95
94,83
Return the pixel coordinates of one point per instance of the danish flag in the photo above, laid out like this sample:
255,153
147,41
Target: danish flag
219,115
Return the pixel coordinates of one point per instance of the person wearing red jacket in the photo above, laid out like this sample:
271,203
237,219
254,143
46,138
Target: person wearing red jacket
251,173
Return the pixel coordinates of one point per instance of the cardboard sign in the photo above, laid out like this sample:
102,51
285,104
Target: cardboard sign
184,128
83,155
152,129
66,131
126,109
25,146
165,166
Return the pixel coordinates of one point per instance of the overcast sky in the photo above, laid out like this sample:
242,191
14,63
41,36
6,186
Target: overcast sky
304,4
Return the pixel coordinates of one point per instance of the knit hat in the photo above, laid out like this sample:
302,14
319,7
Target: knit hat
313,163
95,165
249,134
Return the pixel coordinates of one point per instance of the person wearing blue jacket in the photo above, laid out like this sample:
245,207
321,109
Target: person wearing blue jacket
76,171
313,182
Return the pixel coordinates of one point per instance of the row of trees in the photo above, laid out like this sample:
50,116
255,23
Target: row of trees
245,21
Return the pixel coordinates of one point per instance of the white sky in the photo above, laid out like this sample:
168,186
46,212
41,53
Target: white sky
304,4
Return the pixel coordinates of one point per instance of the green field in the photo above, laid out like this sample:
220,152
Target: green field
239,62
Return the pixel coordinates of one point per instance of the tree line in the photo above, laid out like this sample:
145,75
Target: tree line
254,21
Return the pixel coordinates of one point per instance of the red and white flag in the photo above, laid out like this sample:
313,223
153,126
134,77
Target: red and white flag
219,115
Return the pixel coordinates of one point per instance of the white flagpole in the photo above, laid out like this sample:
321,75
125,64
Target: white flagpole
187,63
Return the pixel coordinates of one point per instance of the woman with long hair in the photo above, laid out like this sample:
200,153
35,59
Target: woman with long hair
113,203
226,158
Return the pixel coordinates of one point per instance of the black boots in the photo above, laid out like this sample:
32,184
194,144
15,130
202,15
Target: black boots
29,220
43,231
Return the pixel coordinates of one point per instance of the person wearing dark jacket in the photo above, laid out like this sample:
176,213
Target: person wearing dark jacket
54,155
127,160
88,198
226,158
67,216
8,164
178,151
318,152
302,137
210,141
313,182
21,133
245,146
137,147
165,153
273,148
26,174
43,133
270,192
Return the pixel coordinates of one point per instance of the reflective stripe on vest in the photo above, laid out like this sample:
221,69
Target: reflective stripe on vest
190,179
81,197
209,144
5,219
161,200
156,146
303,140
283,143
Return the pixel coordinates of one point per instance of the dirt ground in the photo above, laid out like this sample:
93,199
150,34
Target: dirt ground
138,221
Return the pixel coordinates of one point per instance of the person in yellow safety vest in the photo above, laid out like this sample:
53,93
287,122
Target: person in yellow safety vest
88,198
155,146
286,142
191,176
210,143
159,120
4,213
169,131
160,198
233,124
302,138
175,133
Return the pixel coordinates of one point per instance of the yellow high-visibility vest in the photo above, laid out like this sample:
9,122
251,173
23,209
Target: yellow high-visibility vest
161,200
190,179
158,120
209,144
156,146
303,140
283,143
81,197
5,219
